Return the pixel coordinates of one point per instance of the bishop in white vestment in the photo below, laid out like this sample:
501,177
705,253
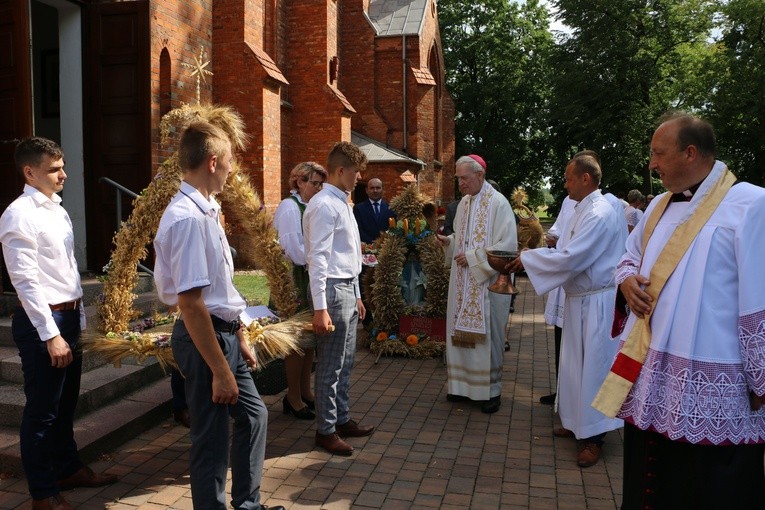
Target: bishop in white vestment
477,317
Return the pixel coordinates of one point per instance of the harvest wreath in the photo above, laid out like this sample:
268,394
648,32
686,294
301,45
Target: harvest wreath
242,206
409,237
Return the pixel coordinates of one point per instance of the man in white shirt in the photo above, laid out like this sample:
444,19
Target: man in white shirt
194,272
38,247
333,252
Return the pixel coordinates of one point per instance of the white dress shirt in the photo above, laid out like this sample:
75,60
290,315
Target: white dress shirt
288,223
333,245
192,252
38,246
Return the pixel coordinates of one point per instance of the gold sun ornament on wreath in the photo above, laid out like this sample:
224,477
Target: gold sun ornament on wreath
530,231
409,240
240,202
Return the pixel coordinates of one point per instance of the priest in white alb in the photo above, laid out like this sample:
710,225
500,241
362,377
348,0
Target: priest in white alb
689,379
477,317
592,244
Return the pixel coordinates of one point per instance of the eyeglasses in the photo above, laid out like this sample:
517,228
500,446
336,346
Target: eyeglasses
317,184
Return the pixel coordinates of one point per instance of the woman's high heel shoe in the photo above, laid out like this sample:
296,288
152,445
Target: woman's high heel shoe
310,403
301,414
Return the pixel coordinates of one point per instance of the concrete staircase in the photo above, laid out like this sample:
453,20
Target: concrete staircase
115,404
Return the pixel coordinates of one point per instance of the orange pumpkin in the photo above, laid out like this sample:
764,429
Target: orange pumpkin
382,335
412,340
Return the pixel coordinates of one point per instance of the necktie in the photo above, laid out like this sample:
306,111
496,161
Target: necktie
377,209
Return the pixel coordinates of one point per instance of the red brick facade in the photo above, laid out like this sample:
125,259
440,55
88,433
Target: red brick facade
303,74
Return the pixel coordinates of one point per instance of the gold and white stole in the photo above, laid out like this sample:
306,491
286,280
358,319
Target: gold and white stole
474,233
629,362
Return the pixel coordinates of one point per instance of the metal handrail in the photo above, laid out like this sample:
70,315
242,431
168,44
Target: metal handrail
119,189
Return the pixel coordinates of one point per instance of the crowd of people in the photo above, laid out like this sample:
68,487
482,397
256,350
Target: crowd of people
657,308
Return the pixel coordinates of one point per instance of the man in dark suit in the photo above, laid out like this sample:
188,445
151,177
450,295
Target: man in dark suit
372,215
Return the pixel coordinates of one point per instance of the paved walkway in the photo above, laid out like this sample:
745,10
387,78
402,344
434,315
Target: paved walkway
425,453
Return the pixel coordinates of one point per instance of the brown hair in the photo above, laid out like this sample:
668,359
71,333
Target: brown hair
692,130
587,165
346,154
199,141
30,151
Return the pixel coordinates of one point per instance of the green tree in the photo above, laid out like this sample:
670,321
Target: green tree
737,107
623,64
495,54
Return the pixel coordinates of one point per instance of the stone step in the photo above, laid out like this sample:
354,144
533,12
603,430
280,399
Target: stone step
98,387
104,429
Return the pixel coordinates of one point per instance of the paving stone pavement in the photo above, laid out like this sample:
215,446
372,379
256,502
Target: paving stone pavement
425,453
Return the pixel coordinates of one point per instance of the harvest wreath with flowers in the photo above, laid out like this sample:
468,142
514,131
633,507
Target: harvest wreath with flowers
240,202
408,241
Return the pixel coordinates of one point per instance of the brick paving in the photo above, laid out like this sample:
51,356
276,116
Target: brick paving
425,453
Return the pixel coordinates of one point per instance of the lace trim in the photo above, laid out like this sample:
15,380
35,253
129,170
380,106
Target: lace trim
694,401
751,336
624,270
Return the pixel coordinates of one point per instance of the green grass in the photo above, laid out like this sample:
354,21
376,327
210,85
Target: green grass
253,287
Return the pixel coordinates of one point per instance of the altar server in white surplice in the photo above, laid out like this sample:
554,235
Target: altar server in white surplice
593,243
477,317
689,379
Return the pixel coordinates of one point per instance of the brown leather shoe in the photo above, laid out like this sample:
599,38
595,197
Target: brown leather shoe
562,432
589,453
56,502
353,429
182,417
85,477
333,444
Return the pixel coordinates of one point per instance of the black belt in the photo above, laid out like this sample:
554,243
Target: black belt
230,327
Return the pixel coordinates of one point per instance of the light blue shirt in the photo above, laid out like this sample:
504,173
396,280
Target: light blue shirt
332,242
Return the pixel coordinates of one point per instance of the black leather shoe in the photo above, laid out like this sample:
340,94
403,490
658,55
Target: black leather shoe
456,398
310,403
491,405
301,414
548,400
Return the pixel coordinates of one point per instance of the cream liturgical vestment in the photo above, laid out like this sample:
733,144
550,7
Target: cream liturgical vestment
483,222
593,243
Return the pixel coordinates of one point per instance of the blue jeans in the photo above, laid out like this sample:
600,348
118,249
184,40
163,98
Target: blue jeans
48,449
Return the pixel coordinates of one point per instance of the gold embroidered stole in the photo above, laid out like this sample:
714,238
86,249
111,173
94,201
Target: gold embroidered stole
626,368
469,321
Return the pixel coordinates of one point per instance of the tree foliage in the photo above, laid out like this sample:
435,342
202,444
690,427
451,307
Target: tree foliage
624,63
528,102
495,54
737,106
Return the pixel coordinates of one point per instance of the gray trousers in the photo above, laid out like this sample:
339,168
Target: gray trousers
500,311
336,353
209,454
